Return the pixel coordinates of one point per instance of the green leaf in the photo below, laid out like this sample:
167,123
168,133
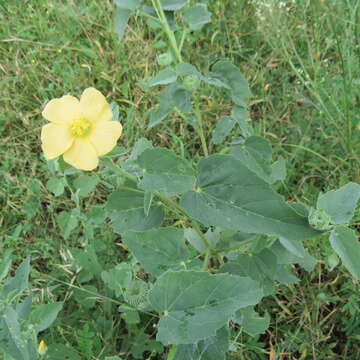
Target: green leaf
157,249
212,348
222,129
118,278
43,315
251,321
345,242
113,358
62,352
292,252
87,259
128,4
230,77
126,209
259,267
256,155
196,16
17,284
173,96
130,165
121,19
67,223
85,184
131,317
197,304
23,308
164,77
171,5
192,236
231,196
5,264
242,117
278,170
165,171
11,339
86,296
186,69
340,204
55,185
284,275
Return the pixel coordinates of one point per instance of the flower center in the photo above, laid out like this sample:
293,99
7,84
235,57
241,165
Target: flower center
80,127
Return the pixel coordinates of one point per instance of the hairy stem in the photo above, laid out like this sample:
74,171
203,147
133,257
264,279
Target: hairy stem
169,33
169,204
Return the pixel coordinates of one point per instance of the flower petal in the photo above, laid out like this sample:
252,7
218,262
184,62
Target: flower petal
105,136
62,109
56,139
82,155
94,106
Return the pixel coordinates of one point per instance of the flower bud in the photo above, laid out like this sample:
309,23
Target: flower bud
191,83
319,219
165,59
42,349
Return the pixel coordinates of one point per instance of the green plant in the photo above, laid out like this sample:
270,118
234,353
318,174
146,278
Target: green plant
241,236
21,320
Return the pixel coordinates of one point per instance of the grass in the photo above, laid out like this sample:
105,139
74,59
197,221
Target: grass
303,67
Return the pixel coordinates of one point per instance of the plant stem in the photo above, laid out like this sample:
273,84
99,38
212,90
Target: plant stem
207,259
177,51
232,248
200,130
169,204
169,33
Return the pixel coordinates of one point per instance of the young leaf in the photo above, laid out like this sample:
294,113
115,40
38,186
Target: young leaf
118,278
192,236
5,264
172,5
43,315
230,77
196,16
157,249
212,348
11,339
87,259
123,11
55,185
292,252
85,184
223,129
256,154
17,284
340,204
121,19
23,308
251,321
242,117
345,242
173,96
197,304
126,208
128,4
233,197
169,172
67,223
164,77
62,352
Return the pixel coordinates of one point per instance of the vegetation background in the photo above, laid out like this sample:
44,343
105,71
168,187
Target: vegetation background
302,60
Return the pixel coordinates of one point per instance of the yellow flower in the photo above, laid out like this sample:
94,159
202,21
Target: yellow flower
42,349
81,131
